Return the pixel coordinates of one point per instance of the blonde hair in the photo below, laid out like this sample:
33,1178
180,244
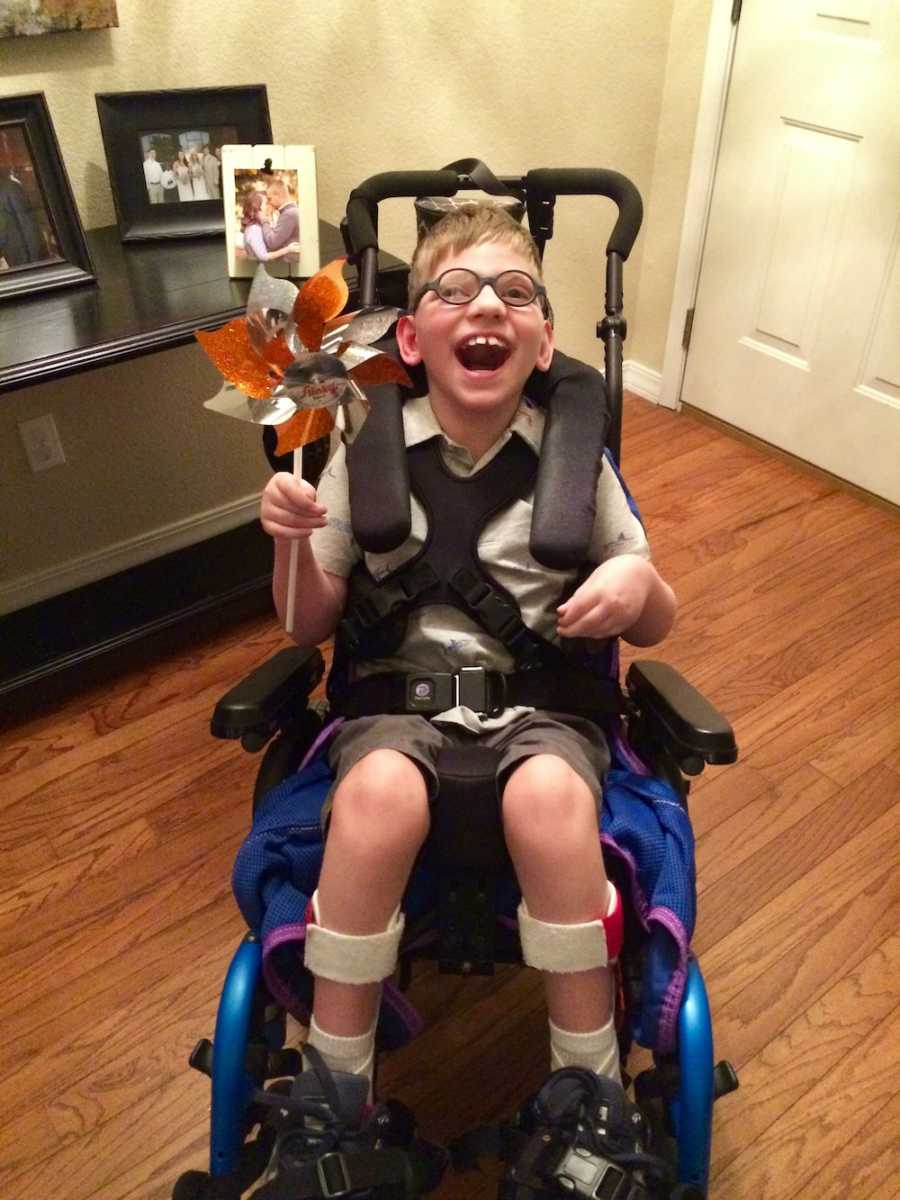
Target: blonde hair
469,225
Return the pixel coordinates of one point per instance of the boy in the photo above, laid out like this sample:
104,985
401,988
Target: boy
478,323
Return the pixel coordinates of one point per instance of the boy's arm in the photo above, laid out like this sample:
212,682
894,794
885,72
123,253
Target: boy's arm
290,512
319,598
625,596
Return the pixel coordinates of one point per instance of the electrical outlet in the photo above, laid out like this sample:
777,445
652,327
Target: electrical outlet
40,438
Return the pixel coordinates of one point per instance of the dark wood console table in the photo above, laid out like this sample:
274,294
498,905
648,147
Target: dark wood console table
148,297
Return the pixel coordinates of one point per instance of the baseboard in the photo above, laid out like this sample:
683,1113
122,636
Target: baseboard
111,560
641,380
69,641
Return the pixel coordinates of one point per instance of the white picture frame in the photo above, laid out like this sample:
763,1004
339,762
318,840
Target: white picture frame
263,187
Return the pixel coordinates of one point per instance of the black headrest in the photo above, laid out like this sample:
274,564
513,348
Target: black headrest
574,397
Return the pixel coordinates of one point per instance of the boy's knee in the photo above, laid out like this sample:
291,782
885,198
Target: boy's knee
385,795
542,794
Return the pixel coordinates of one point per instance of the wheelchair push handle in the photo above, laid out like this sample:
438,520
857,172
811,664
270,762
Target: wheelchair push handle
542,186
362,206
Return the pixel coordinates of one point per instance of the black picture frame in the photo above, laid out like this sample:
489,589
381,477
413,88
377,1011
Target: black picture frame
42,243
126,118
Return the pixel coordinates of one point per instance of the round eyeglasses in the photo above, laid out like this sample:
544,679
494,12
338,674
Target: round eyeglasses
459,285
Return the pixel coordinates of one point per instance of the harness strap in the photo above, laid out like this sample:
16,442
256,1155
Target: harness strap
385,1173
499,617
372,605
447,569
575,691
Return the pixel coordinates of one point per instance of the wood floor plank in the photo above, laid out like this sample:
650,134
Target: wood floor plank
54,884
821,1036
867,1166
765,820
815,1127
834,944
781,737
132,697
802,854
788,920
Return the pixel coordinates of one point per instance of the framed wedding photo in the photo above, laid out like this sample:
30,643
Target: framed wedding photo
42,244
271,210
164,151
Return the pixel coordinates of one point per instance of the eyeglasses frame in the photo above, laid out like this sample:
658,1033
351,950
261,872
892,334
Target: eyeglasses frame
540,292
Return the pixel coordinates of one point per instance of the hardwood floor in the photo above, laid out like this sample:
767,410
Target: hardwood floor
120,818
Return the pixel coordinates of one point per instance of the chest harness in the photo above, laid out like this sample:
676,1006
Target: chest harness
447,569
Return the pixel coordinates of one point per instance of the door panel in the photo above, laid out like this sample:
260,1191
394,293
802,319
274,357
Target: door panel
796,334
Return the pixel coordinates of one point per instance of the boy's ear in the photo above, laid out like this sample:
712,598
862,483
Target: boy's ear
407,341
545,352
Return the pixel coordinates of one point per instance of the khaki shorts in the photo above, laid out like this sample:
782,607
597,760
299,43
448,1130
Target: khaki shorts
577,741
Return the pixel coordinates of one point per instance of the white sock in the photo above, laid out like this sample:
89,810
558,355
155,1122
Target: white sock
354,1055
598,1050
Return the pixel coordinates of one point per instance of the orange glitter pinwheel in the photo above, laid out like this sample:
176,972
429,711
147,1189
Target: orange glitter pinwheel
292,359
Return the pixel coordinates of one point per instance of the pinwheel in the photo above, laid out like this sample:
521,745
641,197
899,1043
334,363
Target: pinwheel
292,359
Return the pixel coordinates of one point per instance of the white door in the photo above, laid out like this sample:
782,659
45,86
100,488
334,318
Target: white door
796,334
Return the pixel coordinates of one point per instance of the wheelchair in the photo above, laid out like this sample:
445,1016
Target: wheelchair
462,893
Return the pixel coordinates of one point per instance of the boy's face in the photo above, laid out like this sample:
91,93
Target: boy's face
466,384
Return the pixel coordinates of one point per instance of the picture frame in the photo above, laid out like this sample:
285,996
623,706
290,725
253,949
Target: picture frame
29,18
271,208
42,243
160,148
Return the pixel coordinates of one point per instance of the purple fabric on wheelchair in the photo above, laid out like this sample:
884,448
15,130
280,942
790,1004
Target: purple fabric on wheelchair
649,848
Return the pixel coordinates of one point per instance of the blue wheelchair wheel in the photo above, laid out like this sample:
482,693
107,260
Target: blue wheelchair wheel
232,1085
691,1109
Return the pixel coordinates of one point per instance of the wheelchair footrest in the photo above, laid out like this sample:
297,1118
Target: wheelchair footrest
725,1080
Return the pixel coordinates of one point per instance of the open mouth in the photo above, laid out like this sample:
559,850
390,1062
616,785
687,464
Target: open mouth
482,353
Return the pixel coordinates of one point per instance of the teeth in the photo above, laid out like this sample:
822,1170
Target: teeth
484,341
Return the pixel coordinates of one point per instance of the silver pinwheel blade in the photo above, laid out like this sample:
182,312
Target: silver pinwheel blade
231,402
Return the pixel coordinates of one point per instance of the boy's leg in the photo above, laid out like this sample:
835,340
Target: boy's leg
378,821
550,817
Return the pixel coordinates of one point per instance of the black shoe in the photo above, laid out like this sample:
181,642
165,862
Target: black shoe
329,1142
580,1136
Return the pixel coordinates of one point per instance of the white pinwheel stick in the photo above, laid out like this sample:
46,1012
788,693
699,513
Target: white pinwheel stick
292,561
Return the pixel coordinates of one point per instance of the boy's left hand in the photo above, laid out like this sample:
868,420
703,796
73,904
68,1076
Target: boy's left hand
609,601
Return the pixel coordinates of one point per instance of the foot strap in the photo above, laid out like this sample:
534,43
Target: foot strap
566,949
351,958
383,1173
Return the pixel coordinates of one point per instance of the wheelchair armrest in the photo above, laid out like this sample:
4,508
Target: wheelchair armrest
269,697
683,720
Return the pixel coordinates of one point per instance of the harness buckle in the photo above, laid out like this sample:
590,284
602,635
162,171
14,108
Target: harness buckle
431,693
471,688
586,1174
334,1178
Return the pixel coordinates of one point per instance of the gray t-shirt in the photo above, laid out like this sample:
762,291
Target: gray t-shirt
440,637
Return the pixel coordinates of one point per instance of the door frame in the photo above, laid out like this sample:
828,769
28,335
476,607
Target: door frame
720,49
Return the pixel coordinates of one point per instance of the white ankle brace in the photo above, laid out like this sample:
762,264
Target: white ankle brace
351,958
569,948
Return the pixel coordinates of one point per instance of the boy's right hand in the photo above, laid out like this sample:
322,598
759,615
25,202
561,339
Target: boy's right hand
289,508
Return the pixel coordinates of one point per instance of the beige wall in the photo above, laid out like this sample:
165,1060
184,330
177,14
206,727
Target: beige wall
671,166
375,85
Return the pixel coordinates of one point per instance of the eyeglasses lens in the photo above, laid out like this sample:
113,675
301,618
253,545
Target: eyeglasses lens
460,286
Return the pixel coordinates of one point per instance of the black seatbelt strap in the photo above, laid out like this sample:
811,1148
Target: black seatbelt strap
571,690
